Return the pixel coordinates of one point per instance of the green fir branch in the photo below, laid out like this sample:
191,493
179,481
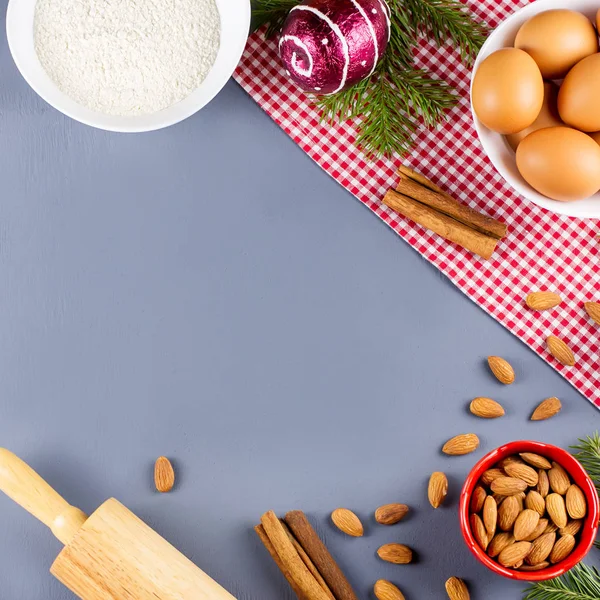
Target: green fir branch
589,456
580,583
390,106
397,98
271,12
447,21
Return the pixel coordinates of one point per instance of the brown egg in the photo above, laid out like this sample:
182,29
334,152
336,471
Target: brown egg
548,116
579,96
596,137
561,163
508,91
557,40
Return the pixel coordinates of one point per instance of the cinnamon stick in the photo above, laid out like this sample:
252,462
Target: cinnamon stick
416,176
307,584
308,562
442,224
264,538
320,556
449,206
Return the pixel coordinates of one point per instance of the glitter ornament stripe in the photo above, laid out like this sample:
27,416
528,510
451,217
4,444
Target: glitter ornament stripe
372,31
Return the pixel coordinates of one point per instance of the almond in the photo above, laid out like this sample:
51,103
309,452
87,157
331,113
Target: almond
491,474
479,532
498,498
508,486
501,369
563,547
438,488
508,460
513,554
520,499
575,502
551,528
390,514
534,501
508,513
546,409
543,486
572,528
541,548
537,461
559,480
347,522
525,524
164,475
543,565
561,351
490,516
500,541
542,300
593,310
555,505
477,499
399,554
539,530
457,589
486,408
384,590
522,471
461,444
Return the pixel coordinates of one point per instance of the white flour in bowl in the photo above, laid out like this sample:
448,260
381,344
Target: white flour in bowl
127,57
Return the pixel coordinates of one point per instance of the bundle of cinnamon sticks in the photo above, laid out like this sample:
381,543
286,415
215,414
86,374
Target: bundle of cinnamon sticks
422,201
302,557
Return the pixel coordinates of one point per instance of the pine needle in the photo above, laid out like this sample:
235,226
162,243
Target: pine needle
272,12
580,583
398,98
448,21
589,457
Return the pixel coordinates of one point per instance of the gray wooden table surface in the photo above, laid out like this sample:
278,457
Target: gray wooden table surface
207,293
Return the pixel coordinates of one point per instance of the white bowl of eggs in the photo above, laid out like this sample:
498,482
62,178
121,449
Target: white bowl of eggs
535,98
127,66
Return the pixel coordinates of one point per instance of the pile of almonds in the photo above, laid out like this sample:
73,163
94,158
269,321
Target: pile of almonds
526,513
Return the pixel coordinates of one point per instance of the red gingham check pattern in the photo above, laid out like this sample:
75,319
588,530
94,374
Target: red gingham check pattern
542,250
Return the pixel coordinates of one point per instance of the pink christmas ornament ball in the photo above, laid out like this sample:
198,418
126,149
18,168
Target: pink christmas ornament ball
328,45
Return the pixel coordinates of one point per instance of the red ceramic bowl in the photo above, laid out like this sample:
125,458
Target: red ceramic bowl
578,475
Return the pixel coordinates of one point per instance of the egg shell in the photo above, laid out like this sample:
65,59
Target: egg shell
548,116
508,91
557,40
561,163
579,96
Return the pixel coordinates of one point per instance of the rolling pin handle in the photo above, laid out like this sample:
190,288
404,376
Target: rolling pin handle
67,524
23,485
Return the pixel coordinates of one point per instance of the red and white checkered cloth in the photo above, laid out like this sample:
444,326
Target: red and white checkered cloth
542,250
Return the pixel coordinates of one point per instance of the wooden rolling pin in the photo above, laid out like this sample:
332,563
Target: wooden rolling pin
111,555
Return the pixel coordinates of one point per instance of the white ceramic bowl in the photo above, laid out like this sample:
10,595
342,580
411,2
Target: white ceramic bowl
235,24
494,144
